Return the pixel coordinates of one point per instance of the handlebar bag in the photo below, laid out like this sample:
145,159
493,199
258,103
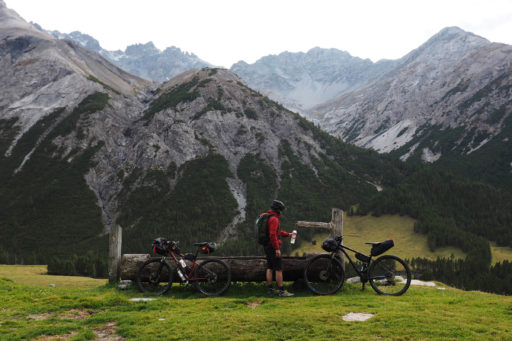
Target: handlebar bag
329,245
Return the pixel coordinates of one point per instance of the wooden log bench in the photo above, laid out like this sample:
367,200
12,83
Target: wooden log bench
243,269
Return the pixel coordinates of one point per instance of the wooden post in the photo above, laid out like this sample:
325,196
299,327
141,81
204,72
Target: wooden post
335,228
337,221
114,253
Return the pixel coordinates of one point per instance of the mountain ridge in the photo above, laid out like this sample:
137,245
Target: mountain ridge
143,60
301,80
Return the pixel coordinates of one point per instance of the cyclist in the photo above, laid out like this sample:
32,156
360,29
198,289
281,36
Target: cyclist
272,249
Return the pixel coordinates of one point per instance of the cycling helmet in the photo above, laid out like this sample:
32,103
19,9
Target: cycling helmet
277,205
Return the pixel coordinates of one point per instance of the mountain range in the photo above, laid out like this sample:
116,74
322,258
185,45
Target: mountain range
85,145
446,102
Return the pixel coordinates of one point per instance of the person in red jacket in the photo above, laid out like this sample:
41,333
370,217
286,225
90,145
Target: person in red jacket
273,250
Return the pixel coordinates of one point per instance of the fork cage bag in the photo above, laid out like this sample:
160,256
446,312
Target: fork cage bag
382,247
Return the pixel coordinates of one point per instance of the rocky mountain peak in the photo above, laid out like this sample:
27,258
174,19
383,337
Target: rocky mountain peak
142,49
450,44
11,23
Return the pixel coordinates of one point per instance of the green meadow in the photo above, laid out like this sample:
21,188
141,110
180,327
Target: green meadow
77,309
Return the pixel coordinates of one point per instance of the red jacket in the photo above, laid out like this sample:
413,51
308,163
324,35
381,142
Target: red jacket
274,231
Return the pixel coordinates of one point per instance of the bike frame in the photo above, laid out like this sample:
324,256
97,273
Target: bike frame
363,274
188,276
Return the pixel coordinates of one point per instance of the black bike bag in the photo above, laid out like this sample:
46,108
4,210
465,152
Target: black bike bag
380,248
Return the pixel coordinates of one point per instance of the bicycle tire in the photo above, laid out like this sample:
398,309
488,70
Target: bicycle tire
215,277
324,275
389,275
154,277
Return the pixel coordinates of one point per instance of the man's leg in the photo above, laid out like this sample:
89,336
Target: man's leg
269,277
279,278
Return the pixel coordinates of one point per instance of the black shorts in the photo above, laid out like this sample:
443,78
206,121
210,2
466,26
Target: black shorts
273,262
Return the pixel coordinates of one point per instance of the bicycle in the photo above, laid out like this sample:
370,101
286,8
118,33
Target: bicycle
388,275
210,277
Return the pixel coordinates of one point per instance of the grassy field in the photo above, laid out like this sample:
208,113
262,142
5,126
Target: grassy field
247,313
36,275
357,230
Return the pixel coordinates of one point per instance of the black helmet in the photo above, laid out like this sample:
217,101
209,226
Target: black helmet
277,205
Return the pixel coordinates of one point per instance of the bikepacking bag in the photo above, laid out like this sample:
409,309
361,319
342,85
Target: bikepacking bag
208,248
330,245
262,229
380,248
160,246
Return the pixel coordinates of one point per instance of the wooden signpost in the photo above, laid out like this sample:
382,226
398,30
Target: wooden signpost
114,253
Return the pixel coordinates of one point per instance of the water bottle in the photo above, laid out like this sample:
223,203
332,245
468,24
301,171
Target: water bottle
180,274
294,235
183,264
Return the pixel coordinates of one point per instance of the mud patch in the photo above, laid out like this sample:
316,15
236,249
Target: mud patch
107,333
76,314
56,337
254,304
39,317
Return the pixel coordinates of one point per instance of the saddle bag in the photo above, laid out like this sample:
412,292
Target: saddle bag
380,248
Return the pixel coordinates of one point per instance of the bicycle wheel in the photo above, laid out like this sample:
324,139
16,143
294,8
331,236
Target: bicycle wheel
324,275
389,275
154,277
212,277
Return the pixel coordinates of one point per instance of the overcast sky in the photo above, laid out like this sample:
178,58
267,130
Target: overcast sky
223,32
